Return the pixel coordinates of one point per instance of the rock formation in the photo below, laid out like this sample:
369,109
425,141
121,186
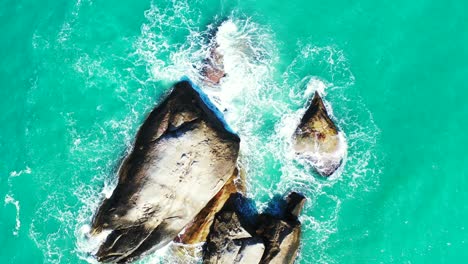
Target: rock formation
183,155
318,139
236,237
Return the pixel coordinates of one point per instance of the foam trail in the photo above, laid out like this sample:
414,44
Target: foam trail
243,45
18,173
315,84
9,199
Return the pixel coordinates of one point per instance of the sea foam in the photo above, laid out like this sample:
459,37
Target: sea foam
262,105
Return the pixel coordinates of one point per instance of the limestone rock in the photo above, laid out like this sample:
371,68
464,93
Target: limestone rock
183,155
318,139
288,249
294,204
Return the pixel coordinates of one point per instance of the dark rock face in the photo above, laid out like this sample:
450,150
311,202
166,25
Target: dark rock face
237,238
183,155
317,138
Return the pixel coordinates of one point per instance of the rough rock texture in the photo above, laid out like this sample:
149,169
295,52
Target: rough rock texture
183,155
197,230
233,238
317,138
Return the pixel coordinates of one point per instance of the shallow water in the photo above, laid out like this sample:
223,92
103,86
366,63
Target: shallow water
78,78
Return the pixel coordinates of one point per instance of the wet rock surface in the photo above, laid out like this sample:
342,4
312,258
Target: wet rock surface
317,139
183,155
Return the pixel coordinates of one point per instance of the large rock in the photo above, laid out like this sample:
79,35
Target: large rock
183,155
236,237
318,139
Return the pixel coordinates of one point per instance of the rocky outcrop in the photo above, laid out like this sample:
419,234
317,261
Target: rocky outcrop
239,237
318,140
183,155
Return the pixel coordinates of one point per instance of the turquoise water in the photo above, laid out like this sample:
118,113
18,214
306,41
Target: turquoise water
77,78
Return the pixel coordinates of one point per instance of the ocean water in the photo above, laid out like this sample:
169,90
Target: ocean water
78,77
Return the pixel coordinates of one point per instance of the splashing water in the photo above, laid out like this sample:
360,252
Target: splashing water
260,103
78,78
11,200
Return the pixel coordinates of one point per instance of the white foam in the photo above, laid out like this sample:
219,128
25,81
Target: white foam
315,84
88,243
242,48
9,199
251,97
18,173
67,26
167,61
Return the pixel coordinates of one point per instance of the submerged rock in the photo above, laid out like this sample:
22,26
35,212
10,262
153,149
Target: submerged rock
183,155
213,64
213,68
236,237
318,139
